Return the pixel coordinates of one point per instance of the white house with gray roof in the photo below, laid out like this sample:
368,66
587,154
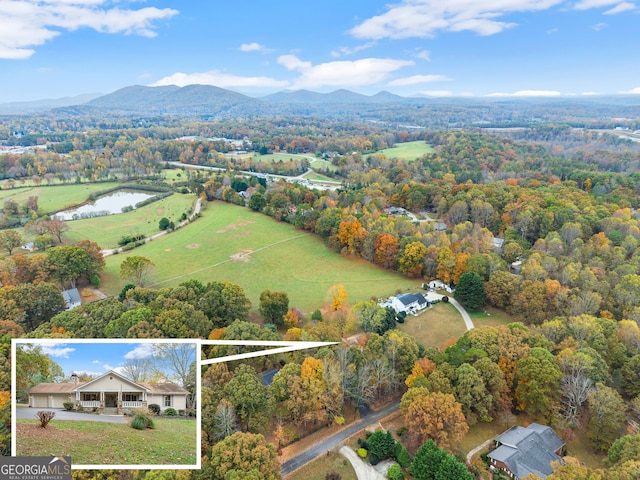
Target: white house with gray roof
407,303
523,451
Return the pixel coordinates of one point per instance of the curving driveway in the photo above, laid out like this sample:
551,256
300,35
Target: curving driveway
363,470
31,414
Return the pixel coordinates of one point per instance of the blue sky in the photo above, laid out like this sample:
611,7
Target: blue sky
95,358
56,48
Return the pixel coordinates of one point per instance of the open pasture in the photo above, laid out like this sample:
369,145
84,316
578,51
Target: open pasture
55,197
435,326
107,230
409,151
238,245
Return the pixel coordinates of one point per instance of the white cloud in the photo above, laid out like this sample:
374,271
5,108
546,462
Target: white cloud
60,351
97,362
253,47
424,18
367,71
527,93
437,93
424,55
25,24
107,367
633,91
589,93
588,4
620,8
551,31
143,350
219,79
417,79
342,51
599,26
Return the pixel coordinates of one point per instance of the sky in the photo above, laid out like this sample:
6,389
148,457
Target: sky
477,48
96,357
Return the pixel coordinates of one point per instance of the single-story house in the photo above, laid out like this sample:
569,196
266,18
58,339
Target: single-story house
498,243
440,227
523,451
109,391
71,298
407,303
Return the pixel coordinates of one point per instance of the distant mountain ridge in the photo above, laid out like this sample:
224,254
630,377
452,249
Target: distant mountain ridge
207,101
35,106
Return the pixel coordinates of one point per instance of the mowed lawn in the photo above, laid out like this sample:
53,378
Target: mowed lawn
235,244
107,230
55,197
407,151
436,326
172,442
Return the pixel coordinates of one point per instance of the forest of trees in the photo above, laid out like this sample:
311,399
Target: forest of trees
568,272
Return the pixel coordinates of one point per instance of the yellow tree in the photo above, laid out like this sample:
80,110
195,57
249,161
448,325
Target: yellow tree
351,234
386,250
337,297
460,267
411,260
446,264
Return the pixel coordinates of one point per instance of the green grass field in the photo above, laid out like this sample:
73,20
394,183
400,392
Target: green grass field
252,250
319,177
435,326
407,151
55,197
106,231
172,442
491,317
324,464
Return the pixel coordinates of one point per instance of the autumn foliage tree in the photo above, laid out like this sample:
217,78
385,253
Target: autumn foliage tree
241,455
437,416
386,250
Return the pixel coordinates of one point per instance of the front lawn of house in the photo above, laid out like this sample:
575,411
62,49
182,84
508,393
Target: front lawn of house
172,442
436,326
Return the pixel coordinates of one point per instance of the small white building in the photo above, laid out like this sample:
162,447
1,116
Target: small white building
440,285
409,303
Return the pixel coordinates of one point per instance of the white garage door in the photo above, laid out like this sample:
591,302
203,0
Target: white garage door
58,400
40,401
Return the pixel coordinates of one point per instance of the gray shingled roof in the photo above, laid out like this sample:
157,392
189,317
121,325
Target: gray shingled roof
528,450
409,298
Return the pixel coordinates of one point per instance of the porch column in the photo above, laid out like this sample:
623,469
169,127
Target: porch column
101,396
77,396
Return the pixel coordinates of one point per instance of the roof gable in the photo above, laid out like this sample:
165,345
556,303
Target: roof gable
112,373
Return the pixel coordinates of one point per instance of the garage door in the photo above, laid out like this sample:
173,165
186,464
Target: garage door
58,400
40,401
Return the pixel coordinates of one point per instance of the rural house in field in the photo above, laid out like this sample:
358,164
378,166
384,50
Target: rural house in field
524,451
110,391
407,303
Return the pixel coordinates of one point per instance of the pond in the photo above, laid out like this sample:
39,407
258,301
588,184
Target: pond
109,204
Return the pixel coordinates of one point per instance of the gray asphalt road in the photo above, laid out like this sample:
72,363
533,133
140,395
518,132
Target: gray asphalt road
331,442
31,414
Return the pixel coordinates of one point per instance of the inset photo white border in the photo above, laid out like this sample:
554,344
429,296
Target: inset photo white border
68,343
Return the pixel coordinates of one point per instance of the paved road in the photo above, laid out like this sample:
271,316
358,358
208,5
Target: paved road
30,414
327,444
463,312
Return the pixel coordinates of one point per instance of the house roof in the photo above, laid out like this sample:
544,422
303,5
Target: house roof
114,374
53,388
528,450
68,387
164,388
71,297
408,298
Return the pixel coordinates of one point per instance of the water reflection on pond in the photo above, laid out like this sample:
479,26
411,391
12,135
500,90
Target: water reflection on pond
109,204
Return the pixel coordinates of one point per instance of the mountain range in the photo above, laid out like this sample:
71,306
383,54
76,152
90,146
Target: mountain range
214,102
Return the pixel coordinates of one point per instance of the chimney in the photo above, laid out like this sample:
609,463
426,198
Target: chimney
74,379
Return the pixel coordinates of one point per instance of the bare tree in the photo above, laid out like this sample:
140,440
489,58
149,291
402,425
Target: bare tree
225,422
138,369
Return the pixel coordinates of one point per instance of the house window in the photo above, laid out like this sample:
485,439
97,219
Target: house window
89,397
128,397
167,400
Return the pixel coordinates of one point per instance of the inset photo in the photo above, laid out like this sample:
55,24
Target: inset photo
108,403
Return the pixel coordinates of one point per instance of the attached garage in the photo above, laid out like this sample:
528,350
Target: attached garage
50,395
